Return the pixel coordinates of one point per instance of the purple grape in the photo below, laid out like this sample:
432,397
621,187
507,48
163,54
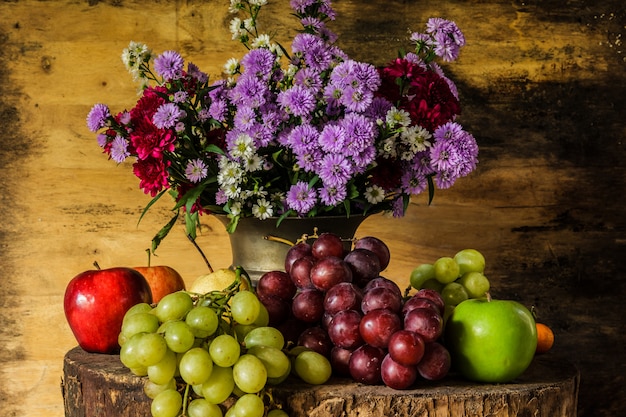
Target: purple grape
316,338
395,375
327,244
343,296
377,246
343,329
436,362
328,272
377,327
340,361
364,264
300,272
365,363
277,284
426,322
308,305
381,297
297,251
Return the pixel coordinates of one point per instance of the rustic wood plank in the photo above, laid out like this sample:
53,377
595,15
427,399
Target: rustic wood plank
97,384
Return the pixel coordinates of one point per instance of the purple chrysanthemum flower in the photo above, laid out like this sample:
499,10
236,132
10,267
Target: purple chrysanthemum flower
167,115
119,149
204,115
169,65
309,79
397,207
333,138
361,133
102,139
196,170
97,117
195,73
298,101
335,169
413,183
378,108
303,138
249,91
333,195
364,158
258,62
245,118
300,6
444,156
180,96
218,110
445,179
301,198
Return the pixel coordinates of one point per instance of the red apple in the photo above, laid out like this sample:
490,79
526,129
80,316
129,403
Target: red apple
162,279
95,303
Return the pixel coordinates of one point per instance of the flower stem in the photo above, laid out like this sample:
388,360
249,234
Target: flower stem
206,261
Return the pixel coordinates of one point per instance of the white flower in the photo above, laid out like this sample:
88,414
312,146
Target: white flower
374,194
262,209
243,147
261,41
416,138
253,163
397,117
231,66
235,28
230,173
235,208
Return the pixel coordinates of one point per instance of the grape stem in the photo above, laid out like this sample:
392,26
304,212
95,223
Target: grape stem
488,295
185,400
278,239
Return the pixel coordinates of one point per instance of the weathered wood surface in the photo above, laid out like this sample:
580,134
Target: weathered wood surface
97,385
542,83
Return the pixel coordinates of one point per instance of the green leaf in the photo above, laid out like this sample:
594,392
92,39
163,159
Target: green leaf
191,223
431,189
154,200
161,234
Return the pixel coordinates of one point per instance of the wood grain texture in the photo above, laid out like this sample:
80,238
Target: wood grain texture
542,84
100,385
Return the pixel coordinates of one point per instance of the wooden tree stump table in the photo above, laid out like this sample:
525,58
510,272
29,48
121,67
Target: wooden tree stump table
97,385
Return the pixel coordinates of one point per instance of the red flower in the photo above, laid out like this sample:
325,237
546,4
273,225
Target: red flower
152,174
146,139
425,95
386,174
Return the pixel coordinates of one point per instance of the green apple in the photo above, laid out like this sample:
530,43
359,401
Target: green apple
491,340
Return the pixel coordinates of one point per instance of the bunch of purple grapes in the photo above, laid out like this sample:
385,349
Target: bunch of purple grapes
335,302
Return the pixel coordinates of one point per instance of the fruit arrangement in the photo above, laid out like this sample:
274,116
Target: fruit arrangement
217,348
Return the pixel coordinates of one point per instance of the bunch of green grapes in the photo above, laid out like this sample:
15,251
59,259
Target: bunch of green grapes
456,278
201,352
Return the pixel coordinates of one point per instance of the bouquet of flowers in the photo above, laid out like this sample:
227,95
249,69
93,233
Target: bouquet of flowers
305,132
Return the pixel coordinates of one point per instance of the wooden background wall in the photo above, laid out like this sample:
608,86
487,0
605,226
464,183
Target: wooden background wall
542,83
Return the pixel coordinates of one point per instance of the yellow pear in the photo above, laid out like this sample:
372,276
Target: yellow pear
215,281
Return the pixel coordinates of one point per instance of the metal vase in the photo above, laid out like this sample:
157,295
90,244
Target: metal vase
254,248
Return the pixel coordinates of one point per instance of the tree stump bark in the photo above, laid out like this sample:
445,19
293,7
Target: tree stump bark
99,385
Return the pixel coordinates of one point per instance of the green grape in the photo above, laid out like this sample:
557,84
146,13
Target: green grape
476,284
249,374
245,307
421,274
178,336
249,405
152,390
433,284
139,323
312,367
264,317
202,408
224,350
231,412
163,371
454,294
139,371
195,366
242,330
219,386
167,404
173,306
446,270
470,260
275,361
265,336
151,348
277,412
137,308
128,352
203,321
